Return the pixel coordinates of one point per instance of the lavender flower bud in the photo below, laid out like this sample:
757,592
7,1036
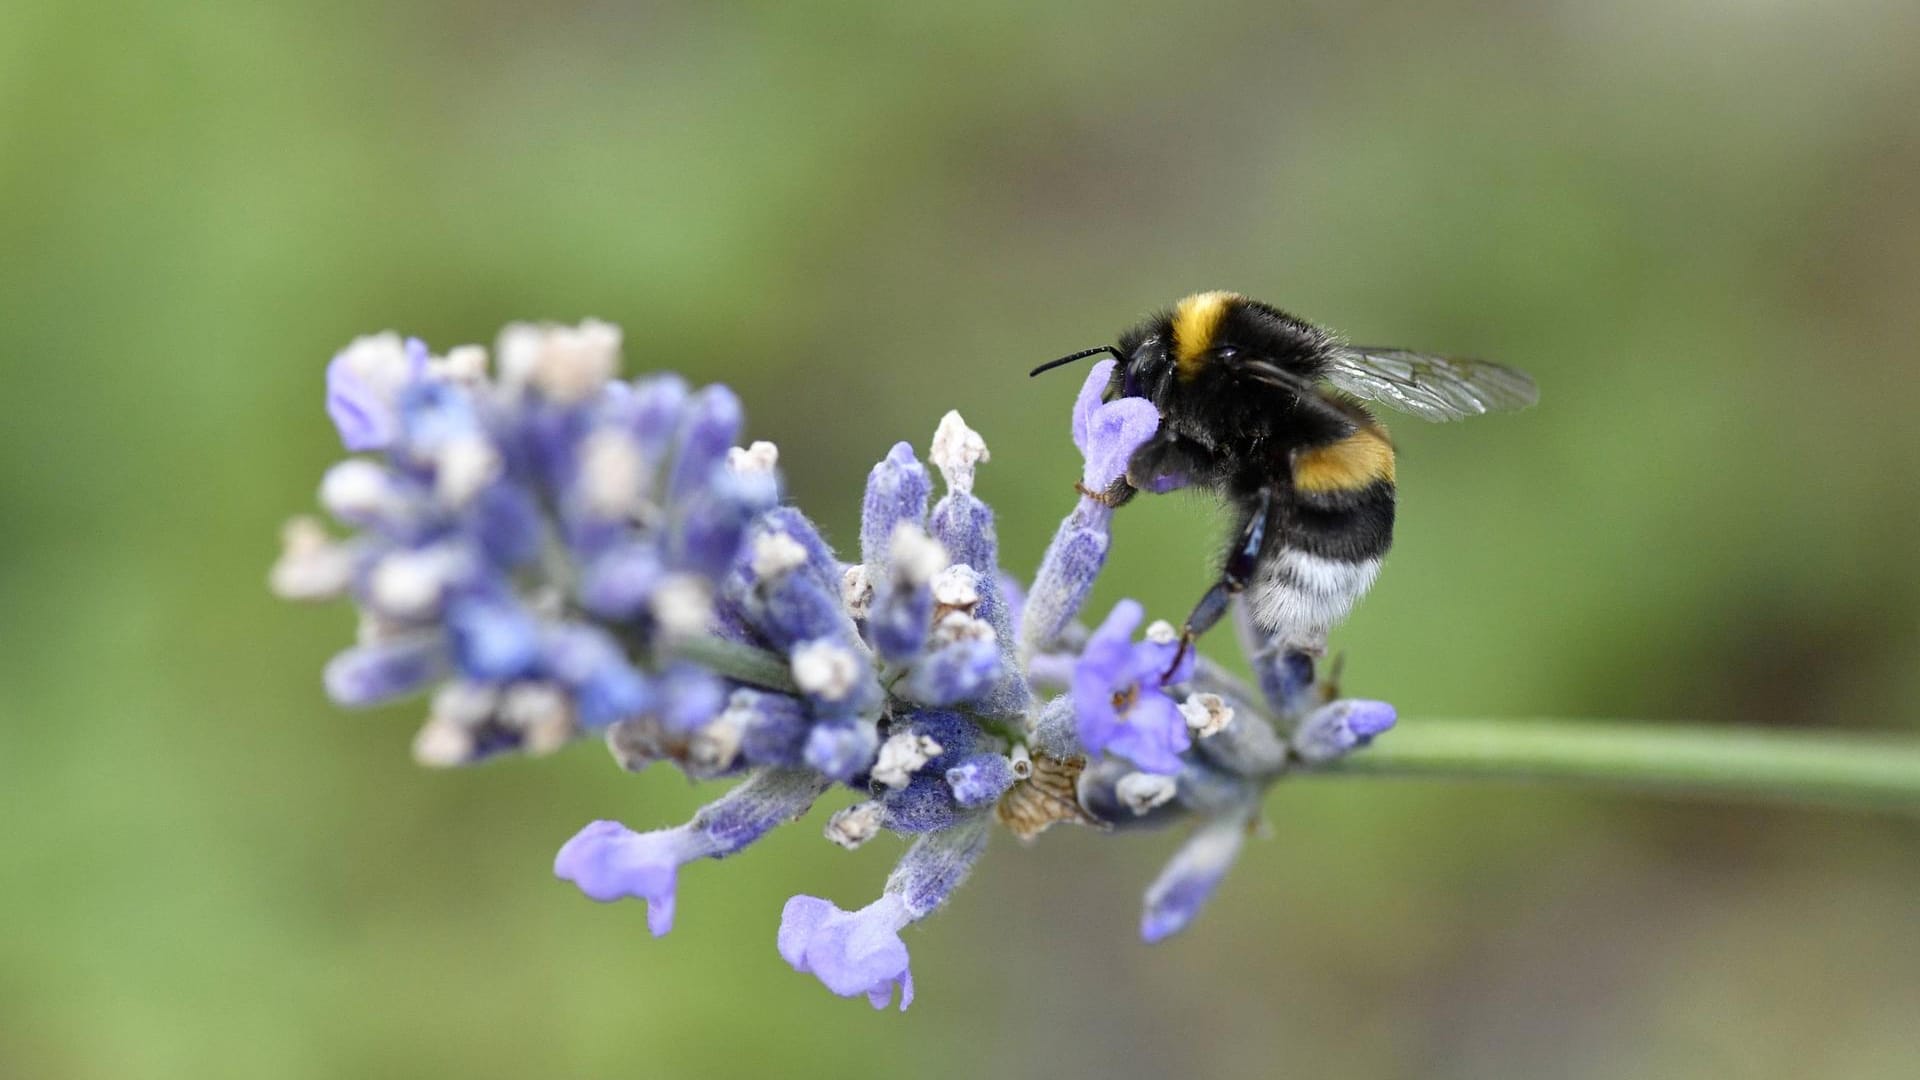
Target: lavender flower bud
311,565
1188,881
620,580
901,613
1338,728
953,673
709,430
980,780
897,492
494,639
841,748
384,671
773,727
605,687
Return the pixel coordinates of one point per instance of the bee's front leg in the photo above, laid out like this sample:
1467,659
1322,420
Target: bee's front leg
1242,562
1168,462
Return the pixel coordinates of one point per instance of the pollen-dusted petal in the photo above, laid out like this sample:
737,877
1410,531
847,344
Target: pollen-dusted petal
1206,714
957,450
900,756
826,669
682,605
462,364
854,825
775,555
913,556
957,587
574,362
311,565
612,473
760,457
1141,792
856,590
463,466
359,492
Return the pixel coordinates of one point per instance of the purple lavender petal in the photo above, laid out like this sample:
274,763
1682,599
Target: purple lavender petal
366,418
856,953
609,861
1091,391
1114,432
1153,735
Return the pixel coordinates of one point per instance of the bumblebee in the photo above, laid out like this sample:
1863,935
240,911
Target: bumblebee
1266,410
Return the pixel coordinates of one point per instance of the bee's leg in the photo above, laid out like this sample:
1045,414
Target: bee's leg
1117,494
1167,462
1235,576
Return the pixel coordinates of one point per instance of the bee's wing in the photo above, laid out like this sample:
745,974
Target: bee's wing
1427,386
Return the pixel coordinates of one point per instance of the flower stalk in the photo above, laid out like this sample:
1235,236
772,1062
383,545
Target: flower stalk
1821,768
1826,768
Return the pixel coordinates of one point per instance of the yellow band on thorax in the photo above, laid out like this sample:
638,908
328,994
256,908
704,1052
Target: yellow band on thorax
1195,320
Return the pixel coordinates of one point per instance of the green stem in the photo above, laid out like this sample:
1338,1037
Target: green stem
1822,767
1833,768
742,663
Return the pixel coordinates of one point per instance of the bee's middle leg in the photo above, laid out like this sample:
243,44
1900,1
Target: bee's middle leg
1242,562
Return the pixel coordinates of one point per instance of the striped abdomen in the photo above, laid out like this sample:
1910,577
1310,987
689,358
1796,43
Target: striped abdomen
1326,540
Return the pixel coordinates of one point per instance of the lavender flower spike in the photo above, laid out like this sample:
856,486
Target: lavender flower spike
607,860
1107,436
549,550
1188,881
860,952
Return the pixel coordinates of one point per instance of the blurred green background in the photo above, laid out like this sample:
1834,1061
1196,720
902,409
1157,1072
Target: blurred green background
1695,224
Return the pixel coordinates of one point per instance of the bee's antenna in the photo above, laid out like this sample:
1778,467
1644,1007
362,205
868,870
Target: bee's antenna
1081,355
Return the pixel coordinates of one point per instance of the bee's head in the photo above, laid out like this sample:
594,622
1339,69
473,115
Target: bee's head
1195,347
